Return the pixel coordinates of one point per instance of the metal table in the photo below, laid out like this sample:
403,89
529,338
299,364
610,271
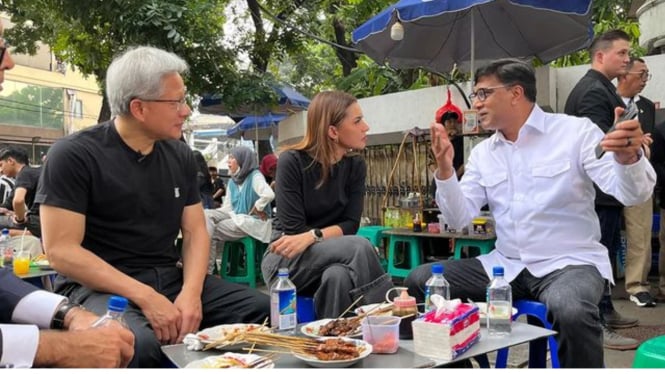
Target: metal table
404,358
43,273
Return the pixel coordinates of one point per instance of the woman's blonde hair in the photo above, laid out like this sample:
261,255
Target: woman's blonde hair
328,108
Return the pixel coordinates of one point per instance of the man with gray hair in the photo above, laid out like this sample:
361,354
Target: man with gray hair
114,198
548,236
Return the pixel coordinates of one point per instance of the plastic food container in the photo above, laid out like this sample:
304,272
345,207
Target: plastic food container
382,332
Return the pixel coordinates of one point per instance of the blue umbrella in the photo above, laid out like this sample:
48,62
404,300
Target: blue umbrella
437,34
252,125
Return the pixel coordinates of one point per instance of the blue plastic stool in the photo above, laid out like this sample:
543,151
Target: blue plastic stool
536,312
413,256
305,309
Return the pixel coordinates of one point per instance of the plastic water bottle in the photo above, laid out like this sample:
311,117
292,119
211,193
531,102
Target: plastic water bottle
436,285
5,250
283,314
499,304
115,309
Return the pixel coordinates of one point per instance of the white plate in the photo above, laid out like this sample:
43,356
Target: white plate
365,350
482,311
229,360
215,333
312,328
374,307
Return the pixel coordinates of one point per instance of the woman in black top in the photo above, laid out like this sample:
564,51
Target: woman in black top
321,186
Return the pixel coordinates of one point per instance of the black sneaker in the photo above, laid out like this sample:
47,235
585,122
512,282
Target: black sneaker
643,299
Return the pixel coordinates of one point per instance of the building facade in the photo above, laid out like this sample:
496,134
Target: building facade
43,100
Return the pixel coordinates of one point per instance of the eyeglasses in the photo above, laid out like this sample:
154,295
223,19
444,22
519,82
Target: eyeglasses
482,93
178,103
645,76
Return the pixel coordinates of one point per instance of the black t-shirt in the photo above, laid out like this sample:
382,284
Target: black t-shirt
28,178
218,184
301,206
133,204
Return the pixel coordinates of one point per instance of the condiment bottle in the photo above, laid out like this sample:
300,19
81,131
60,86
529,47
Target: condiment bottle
405,305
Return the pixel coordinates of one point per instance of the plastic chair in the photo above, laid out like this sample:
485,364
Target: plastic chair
485,246
305,309
375,236
536,313
651,354
233,269
413,256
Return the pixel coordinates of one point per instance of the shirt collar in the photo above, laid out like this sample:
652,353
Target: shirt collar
536,121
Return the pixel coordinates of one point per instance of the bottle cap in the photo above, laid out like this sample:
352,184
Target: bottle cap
404,300
117,303
497,271
283,272
5,231
437,268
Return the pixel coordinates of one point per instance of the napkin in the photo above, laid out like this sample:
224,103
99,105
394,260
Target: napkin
193,342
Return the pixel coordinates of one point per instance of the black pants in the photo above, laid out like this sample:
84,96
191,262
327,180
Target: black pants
571,295
222,302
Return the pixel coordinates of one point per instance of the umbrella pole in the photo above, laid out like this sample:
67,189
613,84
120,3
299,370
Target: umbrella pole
473,45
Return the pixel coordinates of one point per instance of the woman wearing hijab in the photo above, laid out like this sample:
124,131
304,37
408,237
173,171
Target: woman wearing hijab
321,187
246,205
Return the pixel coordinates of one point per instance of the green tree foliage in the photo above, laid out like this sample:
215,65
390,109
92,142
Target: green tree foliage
607,15
88,34
34,106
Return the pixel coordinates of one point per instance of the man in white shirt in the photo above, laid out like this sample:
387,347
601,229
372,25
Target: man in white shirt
24,310
536,173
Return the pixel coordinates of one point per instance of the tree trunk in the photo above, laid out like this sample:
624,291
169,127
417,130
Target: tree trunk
105,112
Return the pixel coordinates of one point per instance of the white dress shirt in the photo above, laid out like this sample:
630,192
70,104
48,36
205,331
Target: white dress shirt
540,192
19,342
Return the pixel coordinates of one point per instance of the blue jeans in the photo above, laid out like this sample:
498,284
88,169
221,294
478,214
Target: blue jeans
571,295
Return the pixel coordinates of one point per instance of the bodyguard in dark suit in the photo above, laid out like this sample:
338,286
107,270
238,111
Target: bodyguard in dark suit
595,97
658,162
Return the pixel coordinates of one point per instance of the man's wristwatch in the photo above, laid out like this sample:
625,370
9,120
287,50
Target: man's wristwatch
58,321
317,234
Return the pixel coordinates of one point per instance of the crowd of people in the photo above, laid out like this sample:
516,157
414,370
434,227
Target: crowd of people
112,200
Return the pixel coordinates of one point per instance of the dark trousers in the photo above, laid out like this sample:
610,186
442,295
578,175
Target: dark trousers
571,295
223,303
610,237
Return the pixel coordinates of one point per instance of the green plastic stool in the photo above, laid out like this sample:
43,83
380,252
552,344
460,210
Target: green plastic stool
484,245
232,267
373,233
413,255
375,236
651,354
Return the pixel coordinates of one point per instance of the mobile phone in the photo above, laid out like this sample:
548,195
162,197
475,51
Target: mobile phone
629,113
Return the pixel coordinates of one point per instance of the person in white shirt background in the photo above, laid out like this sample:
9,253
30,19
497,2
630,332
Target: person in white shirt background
536,173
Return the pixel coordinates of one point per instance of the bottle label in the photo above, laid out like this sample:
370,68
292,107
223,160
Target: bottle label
285,313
